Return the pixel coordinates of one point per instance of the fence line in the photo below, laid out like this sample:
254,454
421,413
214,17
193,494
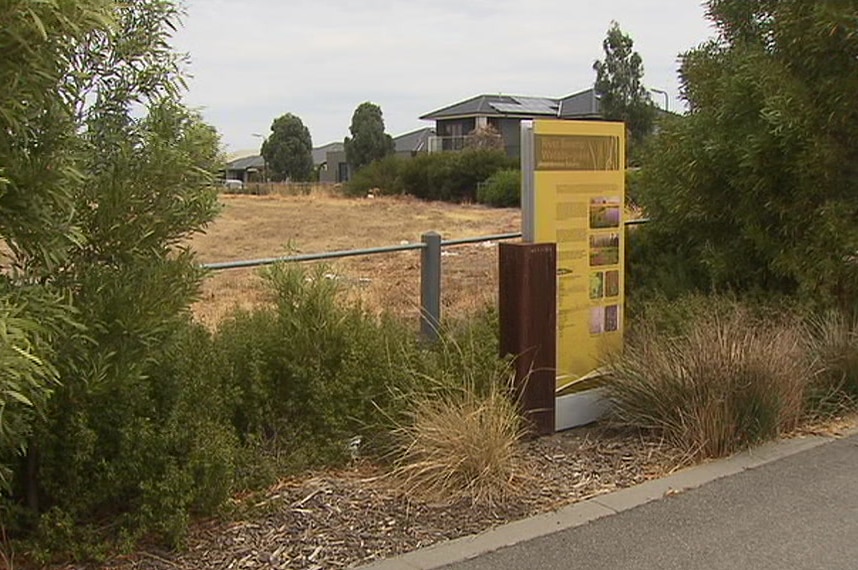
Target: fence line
431,245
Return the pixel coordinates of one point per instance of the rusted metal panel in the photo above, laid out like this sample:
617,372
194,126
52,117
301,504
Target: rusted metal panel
528,322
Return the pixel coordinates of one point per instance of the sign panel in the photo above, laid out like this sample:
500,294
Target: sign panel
573,195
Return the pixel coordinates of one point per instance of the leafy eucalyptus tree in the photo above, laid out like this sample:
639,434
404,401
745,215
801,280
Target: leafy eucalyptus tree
756,189
104,174
40,175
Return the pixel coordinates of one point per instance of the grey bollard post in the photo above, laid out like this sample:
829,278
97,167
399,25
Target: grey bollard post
430,286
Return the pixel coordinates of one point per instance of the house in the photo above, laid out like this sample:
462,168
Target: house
246,166
414,142
249,165
330,162
456,123
335,168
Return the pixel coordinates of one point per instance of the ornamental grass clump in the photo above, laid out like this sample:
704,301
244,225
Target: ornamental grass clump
461,444
457,428
727,381
833,344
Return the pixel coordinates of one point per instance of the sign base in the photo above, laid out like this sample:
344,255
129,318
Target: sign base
579,409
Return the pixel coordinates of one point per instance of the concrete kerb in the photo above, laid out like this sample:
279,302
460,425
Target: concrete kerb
581,513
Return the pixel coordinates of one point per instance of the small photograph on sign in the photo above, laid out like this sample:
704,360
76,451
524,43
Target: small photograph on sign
612,318
604,249
612,283
597,285
597,320
605,212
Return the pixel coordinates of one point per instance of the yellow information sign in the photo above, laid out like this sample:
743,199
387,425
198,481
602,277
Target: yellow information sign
574,192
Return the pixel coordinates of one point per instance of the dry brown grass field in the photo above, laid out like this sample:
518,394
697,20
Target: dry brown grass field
252,227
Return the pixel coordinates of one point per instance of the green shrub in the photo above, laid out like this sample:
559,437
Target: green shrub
310,374
380,177
144,444
452,176
467,351
502,189
749,187
170,421
728,380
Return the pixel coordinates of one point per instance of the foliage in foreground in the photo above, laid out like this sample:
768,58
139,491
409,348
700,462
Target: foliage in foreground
725,376
305,377
39,175
105,174
120,418
272,392
834,348
756,190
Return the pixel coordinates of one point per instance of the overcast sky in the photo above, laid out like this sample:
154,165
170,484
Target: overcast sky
253,60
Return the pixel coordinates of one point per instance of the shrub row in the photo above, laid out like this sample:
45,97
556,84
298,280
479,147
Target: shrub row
447,176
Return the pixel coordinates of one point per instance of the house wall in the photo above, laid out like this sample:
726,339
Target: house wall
510,130
337,169
232,174
453,131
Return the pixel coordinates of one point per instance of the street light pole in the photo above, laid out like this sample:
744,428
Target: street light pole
264,165
662,92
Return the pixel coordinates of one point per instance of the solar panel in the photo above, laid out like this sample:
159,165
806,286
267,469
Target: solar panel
531,107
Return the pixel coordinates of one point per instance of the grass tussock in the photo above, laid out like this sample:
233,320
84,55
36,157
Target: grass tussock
459,440
731,379
833,345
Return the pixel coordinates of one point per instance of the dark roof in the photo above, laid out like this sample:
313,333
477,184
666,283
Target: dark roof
584,104
496,106
246,163
320,153
414,141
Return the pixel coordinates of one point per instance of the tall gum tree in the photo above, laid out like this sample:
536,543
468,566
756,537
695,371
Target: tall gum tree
619,85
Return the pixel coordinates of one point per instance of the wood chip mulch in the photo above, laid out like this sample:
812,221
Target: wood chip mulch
352,517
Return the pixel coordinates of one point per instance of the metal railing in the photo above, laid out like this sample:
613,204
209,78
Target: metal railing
431,244
449,143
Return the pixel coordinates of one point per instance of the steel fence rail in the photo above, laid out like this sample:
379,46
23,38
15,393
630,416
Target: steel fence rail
431,245
310,257
481,239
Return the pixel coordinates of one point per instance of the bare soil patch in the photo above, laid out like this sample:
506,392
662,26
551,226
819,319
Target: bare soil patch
253,227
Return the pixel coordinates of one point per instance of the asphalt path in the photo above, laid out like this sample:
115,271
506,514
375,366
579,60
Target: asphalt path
796,513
